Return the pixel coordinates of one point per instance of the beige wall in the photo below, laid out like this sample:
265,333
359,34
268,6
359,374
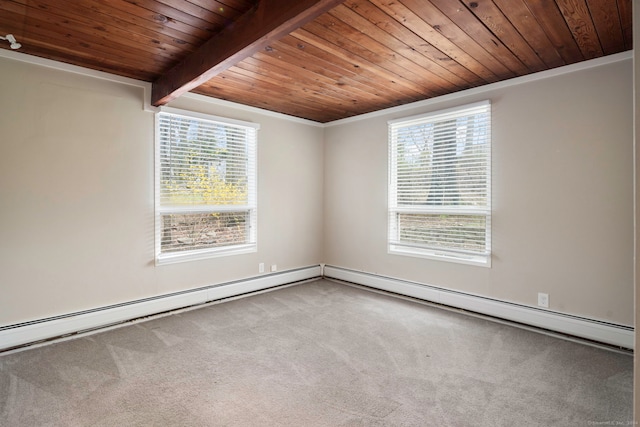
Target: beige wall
562,196
636,134
76,187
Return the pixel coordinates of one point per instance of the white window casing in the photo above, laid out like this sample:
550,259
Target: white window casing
440,185
206,201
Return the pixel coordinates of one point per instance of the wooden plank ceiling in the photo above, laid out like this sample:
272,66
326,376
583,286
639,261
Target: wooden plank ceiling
357,57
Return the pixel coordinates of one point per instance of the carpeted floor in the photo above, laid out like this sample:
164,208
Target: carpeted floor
316,354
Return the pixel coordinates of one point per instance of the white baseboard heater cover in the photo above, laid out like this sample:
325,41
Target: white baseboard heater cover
43,329
608,333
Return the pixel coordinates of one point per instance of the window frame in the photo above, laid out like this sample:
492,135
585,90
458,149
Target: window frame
251,207
394,208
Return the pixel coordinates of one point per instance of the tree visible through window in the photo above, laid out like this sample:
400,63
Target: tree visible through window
206,186
439,189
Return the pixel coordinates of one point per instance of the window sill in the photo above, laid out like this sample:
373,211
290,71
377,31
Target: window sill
176,257
478,260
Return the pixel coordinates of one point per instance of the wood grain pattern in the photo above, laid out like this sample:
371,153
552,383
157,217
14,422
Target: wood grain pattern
579,20
323,66
360,65
475,29
174,11
271,20
343,72
431,35
626,21
362,50
517,12
387,46
403,39
607,22
442,24
555,28
70,20
349,58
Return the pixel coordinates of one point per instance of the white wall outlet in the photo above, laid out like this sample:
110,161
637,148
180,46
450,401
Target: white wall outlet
543,300
274,267
261,267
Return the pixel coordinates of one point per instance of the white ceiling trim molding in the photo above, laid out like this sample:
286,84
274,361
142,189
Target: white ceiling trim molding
566,69
248,108
146,87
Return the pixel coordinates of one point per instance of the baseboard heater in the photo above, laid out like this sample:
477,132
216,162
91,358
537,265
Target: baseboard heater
594,330
21,334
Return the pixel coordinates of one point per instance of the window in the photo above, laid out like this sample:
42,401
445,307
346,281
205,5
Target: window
440,185
205,186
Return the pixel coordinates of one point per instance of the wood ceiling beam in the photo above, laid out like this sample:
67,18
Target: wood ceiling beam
268,22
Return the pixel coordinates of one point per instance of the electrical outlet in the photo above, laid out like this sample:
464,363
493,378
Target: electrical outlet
543,300
274,267
261,267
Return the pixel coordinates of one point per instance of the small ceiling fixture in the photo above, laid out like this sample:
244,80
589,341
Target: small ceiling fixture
13,44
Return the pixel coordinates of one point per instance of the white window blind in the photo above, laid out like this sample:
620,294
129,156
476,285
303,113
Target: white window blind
206,186
440,185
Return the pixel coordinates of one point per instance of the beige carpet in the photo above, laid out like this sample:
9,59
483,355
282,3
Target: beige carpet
316,354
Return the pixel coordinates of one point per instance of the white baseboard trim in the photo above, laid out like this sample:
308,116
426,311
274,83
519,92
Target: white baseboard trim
44,329
608,333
